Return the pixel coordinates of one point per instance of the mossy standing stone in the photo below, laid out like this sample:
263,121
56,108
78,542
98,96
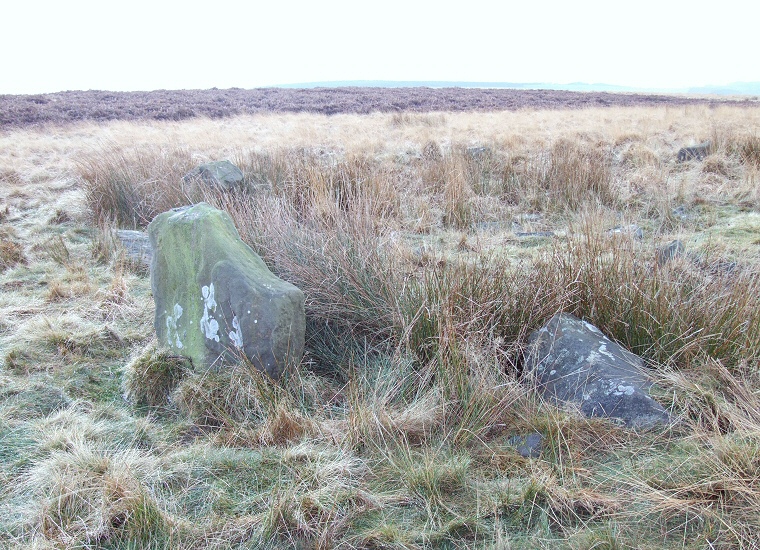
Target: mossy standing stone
216,298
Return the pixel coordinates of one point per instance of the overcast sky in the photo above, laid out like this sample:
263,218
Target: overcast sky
49,46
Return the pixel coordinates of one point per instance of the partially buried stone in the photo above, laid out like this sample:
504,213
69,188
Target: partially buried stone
696,152
632,230
573,362
527,446
136,246
221,173
216,299
669,252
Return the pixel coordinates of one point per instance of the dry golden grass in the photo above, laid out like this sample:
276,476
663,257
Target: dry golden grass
50,153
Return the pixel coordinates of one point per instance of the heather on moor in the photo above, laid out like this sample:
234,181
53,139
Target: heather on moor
506,319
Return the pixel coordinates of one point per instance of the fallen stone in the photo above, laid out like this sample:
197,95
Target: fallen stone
489,226
216,299
524,234
681,212
221,174
696,152
527,446
573,362
136,246
669,252
634,230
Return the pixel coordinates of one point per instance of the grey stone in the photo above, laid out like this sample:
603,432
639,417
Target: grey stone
634,230
478,152
573,362
489,226
216,299
221,174
528,446
136,246
674,249
681,212
432,152
696,152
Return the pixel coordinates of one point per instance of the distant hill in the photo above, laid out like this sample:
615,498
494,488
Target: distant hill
734,88
575,86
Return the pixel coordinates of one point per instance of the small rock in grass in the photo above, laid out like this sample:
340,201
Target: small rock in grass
528,446
136,245
669,252
573,362
696,152
221,174
633,230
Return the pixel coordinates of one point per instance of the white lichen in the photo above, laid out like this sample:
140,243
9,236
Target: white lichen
209,325
236,336
172,332
591,327
603,350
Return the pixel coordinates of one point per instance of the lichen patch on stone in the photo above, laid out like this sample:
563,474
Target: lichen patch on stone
209,325
172,332
236,336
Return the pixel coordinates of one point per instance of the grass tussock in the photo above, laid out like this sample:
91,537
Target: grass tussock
11,254
90,497
151,377
130,187
668,313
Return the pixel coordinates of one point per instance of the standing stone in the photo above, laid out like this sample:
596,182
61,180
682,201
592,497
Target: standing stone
574,362
222,174
216,298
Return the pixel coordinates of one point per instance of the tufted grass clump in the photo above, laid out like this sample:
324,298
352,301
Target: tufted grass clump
11,254
86,496
131,187
151,377
670,314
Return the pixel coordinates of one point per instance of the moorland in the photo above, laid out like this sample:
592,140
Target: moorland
429,240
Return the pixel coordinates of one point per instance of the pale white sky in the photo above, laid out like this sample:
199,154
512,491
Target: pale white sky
54,45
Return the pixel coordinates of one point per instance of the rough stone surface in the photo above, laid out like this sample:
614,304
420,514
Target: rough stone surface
633,230
697,152
222,174
215,298
136,245
573,362
527,446
674,249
